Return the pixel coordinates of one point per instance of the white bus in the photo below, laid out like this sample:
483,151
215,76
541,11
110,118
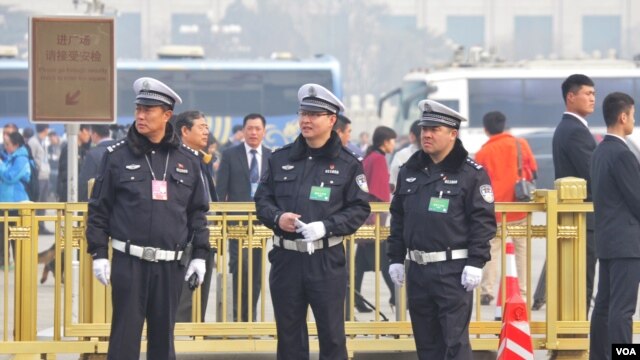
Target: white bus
529,94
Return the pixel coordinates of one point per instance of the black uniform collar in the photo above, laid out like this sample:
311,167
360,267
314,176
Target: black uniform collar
452,162
140,145
331,149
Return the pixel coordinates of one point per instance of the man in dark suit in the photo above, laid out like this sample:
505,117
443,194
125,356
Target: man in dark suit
238,176
615,174
573,145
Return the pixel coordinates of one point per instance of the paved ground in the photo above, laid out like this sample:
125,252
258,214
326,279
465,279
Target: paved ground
45,310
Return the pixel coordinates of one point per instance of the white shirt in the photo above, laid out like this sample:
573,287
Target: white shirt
247,150
398,160
582,120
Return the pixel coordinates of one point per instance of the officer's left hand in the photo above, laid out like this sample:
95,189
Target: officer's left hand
471,277
197,266
312,231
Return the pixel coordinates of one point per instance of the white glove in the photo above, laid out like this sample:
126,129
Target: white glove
396,271
471,277
197,266
312,231
102,270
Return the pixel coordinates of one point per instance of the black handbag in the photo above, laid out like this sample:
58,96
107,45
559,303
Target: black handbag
524,188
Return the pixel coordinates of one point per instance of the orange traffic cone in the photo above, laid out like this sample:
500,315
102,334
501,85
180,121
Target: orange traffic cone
513,286
515,337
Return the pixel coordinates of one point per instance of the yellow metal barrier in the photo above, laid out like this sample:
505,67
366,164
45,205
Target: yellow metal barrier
73,315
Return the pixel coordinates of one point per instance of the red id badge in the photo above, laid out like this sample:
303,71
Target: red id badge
159,190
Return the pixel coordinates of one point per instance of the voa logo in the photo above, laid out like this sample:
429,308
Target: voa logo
625,351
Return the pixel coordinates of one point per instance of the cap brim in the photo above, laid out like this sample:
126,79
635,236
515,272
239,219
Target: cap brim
151,102
433,123
315,109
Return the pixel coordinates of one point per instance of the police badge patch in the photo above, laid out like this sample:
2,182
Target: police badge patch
487,193
361,180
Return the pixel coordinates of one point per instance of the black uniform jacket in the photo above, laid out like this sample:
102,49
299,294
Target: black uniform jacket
121,205
295,168
573,146
469,221
615,175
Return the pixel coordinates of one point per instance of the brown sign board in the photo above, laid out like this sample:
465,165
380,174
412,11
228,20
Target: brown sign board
72,72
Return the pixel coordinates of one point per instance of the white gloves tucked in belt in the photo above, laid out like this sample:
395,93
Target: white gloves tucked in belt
396,271
102,270
471,277
197,266
311,232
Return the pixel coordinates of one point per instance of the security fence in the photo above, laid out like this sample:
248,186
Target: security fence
72,316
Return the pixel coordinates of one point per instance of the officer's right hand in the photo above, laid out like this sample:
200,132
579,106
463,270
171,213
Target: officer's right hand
287,222
396,271
102,270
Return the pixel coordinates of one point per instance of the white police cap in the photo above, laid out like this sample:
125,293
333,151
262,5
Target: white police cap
314,97
436,114
152,92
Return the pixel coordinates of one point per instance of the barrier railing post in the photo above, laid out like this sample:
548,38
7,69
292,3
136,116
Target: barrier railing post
26,289
569,295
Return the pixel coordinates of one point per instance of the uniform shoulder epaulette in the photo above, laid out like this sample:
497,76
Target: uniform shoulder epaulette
351,153
116,146
474,164
190,150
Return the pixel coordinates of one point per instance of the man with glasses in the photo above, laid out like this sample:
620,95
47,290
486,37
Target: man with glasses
313,194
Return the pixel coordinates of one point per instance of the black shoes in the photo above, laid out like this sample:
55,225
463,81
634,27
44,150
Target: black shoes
363,308
538,304
485,299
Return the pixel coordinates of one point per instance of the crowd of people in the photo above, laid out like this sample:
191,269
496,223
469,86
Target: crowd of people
154,187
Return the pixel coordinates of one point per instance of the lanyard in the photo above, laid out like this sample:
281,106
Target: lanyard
166,164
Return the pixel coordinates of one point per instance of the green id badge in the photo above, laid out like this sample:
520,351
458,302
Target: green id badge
319,193
439,205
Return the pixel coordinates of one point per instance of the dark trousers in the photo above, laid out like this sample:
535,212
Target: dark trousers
298,280
365,261
143,290
185,305
256,282
440,310
541,289
611,321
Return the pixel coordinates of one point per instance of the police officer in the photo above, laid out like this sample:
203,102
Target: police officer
442,214
150,200
313,194
194,132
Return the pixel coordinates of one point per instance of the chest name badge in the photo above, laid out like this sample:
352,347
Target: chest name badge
320,193
159,190
439,205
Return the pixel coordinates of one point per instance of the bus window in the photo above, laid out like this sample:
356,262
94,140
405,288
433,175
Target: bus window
412,93
487,95
605,86
542,104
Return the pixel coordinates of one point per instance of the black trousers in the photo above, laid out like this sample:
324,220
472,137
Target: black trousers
185,305
256,283
611,321
440,310
298,280
541,289
143,290
365,261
